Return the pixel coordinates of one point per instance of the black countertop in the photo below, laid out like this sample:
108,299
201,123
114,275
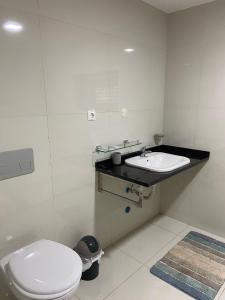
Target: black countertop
148,178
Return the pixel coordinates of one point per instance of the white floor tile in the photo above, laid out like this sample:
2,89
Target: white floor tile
145,242
144,286
163,251
115,268
221,293
222,296
169,224
122,277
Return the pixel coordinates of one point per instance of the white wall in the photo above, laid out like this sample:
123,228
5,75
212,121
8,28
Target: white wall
69,59
195,114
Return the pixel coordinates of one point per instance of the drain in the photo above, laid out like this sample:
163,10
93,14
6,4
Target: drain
127,209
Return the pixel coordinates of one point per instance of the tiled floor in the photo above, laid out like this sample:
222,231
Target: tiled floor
124,271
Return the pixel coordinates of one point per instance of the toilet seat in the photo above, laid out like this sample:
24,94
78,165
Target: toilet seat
44,270
42,297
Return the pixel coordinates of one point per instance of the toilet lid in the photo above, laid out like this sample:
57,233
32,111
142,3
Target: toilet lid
45,267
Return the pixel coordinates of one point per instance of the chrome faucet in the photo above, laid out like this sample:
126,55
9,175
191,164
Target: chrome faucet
144,151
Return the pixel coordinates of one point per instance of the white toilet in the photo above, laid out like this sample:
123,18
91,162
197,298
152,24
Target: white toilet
43,270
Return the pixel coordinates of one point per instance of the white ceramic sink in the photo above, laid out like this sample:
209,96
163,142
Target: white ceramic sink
158,161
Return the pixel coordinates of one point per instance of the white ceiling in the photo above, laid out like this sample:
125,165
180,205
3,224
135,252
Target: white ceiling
170,6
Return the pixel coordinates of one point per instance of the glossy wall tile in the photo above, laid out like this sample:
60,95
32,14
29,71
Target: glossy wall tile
194,112
127,19
21,73
68,58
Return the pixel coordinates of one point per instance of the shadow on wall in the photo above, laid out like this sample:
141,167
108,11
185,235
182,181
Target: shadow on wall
18,242
111,220
176,194
5,293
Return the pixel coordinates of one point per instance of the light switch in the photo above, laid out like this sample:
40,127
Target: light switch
91,115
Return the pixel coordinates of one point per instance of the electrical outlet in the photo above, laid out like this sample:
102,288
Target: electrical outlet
124,112
91,115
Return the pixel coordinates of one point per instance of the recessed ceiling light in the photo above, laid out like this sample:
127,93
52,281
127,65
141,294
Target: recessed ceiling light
129,50
12,26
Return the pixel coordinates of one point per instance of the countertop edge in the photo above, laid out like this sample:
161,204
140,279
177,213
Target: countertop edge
197,157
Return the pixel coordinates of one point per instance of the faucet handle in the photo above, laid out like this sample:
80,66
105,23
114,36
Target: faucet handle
144,151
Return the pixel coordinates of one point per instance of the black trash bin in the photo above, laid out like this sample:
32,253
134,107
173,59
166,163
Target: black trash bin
90,253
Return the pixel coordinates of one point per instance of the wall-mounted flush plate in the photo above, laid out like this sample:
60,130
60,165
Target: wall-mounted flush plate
91,115
16,163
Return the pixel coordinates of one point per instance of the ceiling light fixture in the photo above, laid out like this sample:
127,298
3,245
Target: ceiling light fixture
12,26
129,50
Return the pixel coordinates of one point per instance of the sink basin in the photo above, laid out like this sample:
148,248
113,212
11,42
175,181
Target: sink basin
158,162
